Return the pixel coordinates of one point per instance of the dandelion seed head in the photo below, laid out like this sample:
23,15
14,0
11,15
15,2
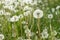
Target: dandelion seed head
2,12
27,31
20,16
1,36
27,8
13,34
20,38
50,16
27,13
34,3
14,19
24,22
38,13
25,27
54,33
45,34
56,13
27,1
7,13
57,7
53,9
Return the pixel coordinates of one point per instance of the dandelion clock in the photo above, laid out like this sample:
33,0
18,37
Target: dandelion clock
1,36
38,13
50,16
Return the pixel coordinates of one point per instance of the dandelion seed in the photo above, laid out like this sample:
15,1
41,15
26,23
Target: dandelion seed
40,1
1,36
45,33
24,22
16,4
56,13
30,34
57,7
20,16
50,16
2,12
25,27
53,10
22,4
38,13
27,31
27,8
10,7
14,35
27,1
54,33
7,13
14,19
27,13
34,3
9,2
37,32
15,11
20,38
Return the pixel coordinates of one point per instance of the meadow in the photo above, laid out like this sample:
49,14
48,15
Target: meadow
29,19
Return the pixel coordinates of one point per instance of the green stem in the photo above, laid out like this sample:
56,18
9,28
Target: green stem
26,19
21,27
38,25
51,31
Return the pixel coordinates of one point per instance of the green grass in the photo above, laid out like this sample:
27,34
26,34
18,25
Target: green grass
18,28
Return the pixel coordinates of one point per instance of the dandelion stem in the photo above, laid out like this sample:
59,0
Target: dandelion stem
32,22
26,19
51,31
38,25
21,27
